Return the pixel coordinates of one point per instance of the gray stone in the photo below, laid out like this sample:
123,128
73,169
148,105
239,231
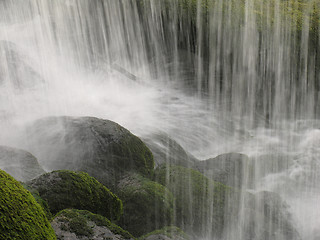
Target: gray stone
20,164
99,147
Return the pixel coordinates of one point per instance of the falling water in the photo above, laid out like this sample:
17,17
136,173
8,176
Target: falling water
217,76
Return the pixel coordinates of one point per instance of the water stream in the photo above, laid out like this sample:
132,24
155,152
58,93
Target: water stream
218,76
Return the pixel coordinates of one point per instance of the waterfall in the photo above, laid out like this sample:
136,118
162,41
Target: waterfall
218,76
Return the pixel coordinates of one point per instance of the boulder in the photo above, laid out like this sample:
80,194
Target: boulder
43,203
66,189
231,169
147,205
166,150
83,225
21,164
21,216
99,147
199,201
166,233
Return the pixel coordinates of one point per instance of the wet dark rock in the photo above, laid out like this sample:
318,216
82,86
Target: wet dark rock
20,164
166,150
99,147
231,169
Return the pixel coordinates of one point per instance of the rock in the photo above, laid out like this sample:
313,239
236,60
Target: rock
66,189
43,203
21,164
147,205
21,216
99,147
231,169
199,201
166,233
81,224
165,150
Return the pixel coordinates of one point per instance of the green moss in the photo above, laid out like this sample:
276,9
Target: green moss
147,205
199,202
39,200
76,221
67,189
169,231
132,154
21,217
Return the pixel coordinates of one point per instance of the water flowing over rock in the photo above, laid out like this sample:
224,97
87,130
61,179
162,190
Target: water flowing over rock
231,169
165,150
194,79
99,147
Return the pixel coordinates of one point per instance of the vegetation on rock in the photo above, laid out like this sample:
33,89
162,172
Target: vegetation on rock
43,203
78,222
21,217
147,205
66,189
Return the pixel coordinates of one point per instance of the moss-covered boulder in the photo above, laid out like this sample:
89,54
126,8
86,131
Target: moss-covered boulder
147,205
20,164
21,217
66,189
166,233
82,224
43,203
99,147
199,201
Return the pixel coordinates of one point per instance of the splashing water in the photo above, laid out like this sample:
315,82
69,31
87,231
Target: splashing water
217,76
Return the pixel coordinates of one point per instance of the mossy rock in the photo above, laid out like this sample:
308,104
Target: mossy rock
166,233
43,203
66,189
102,148
82,224
166,150
199,201
147,205
21,217
20,164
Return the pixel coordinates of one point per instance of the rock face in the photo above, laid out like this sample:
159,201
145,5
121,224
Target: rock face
21,216
165,150
66,189
99,147
166,233
199,202
147,205
20,164
231,169
84,225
